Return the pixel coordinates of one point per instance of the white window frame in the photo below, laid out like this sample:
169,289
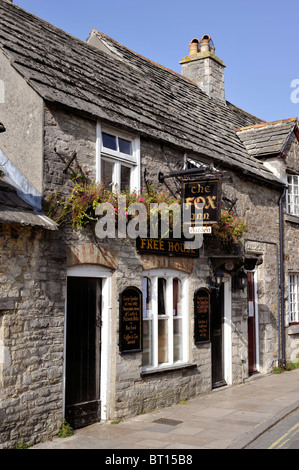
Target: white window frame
292,198
118,158
168,275
294,298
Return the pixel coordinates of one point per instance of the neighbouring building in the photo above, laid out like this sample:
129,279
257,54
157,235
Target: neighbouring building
98,328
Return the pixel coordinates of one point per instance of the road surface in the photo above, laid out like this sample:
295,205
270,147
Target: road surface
284,435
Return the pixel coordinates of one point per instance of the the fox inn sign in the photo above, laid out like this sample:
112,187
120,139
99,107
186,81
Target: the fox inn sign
205,194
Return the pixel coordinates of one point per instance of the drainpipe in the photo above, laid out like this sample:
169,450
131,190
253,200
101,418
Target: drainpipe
282,273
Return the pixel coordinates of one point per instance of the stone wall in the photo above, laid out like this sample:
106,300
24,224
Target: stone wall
289,163
131,392
67,133
31,335
291,255
208,72
21,143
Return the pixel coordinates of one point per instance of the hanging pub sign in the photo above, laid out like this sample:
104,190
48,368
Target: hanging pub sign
130,320
201,316
204,193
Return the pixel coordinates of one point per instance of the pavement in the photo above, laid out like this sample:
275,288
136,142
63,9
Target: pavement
230,417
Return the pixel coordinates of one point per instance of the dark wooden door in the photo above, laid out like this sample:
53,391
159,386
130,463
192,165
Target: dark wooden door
217,343
251,325
82,392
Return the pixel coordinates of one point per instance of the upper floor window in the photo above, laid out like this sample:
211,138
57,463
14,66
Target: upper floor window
118,160
294,298
293,195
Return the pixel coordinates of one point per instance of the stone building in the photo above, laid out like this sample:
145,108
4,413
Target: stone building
96,111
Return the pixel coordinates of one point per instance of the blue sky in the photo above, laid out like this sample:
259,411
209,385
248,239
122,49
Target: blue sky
258,40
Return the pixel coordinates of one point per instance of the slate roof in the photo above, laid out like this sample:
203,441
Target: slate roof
13,209
125,89
267,139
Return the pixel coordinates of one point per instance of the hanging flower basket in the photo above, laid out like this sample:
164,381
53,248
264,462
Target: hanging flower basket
85,198
230,229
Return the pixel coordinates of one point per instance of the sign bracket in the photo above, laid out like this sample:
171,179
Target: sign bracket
188,172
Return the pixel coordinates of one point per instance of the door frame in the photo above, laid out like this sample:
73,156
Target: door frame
85,270
227,333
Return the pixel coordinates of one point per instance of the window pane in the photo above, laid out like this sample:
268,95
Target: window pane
147,354
177,340
294,298
161,296
177,297
107,174
109,141
160,320
293,194
125,146
148,296
125,178
162,341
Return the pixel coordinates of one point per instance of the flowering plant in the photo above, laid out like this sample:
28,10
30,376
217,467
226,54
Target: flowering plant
230,228
85,198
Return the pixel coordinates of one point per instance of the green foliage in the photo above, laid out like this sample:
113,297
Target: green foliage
85,198
292,365
22,445
66,430
80,208
54,208
230,229
289,366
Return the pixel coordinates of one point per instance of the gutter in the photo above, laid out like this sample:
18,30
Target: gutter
264,179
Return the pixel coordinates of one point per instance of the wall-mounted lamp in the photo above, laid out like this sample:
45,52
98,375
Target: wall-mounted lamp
2,128
218,275
239,280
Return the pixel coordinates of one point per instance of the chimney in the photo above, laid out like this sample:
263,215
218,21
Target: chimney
204,67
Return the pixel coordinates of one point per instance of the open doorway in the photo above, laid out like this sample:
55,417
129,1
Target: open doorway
221,335
87,345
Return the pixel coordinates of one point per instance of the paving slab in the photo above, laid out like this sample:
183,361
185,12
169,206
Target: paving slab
226,418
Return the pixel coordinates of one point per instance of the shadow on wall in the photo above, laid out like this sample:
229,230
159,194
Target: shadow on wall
268,338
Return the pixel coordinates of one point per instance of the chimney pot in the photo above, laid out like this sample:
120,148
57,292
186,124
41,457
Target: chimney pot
193,46
205,43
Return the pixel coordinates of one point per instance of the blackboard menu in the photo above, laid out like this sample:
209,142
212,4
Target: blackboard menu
130,321
202,316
